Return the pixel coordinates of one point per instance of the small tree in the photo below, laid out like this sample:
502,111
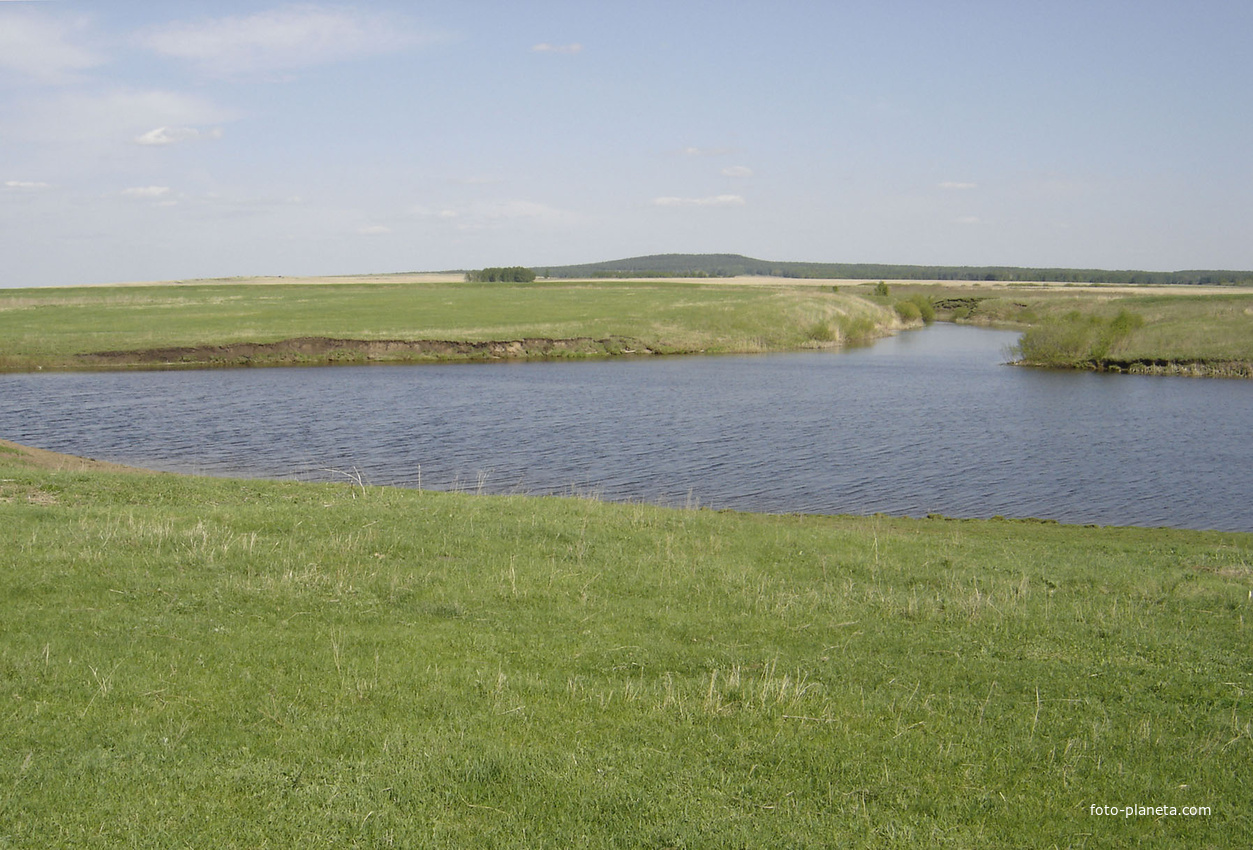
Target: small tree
882,288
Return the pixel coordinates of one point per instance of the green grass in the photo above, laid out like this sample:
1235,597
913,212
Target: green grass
199,662
48,328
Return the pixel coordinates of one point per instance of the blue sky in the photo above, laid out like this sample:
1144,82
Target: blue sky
144,141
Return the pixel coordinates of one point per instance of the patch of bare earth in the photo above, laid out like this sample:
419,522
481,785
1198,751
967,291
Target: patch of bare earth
331,350
41,459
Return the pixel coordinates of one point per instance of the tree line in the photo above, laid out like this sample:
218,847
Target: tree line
505,274
733,265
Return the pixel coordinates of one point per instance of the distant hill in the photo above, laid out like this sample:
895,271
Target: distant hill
735,265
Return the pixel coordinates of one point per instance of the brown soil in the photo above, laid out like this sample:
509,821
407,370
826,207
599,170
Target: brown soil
11,452
324,350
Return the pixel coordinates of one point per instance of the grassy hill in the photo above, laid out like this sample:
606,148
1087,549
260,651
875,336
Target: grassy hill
734,265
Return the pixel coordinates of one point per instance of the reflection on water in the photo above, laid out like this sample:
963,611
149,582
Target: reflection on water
929,421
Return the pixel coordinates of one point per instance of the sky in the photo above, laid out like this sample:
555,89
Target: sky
185,139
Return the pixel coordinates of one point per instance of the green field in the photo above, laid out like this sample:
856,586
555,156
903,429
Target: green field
52,328
220,323
218,663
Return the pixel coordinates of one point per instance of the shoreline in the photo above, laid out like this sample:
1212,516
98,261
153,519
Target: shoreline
333,351
52,461
317,351
1222,369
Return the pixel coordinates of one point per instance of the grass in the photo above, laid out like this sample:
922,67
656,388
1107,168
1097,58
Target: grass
50,328
204,662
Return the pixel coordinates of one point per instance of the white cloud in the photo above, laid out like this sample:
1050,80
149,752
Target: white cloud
174,135
695,151
501,214
43,47
281,40
374,230
117,115
25,185
568,49
954,184
737,171
967,219
146,191
715,201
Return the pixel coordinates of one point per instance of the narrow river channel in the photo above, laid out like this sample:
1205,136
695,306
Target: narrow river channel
928,421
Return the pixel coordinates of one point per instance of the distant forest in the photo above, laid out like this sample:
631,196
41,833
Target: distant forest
734,265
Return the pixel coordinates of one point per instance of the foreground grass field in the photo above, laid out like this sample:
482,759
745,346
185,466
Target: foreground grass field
54,328
201,662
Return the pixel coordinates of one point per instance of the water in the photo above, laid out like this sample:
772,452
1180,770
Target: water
929,421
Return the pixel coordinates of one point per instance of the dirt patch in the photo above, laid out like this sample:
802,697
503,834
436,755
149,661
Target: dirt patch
1182,368
326,350
11,452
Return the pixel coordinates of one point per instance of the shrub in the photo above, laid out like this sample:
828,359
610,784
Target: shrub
908,311
1075,339
857,330
820,332
925,308
883,289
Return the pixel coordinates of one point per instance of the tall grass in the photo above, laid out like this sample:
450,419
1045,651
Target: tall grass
1078,340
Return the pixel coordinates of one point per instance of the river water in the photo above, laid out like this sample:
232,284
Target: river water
928,421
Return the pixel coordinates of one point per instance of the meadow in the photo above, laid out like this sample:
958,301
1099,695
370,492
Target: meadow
54,328
204,662
384,318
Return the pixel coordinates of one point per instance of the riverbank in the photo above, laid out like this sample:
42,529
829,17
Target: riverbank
434,318
420,320
252,662
1178,333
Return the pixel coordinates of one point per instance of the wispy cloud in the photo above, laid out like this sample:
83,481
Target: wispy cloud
43,47
485,215
956,185
146,192
568,49
695,151
281,40
967,219
26,185
374,230
174,135
737,171
715,201
114,116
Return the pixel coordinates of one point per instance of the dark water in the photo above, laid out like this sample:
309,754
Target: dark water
929,421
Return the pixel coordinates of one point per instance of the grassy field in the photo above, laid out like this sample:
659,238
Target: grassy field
52,328
354,320
203,662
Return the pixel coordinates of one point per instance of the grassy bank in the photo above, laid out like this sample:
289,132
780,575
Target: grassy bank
1124,331
245,323
204,662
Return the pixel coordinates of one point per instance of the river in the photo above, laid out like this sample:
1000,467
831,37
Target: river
927,421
